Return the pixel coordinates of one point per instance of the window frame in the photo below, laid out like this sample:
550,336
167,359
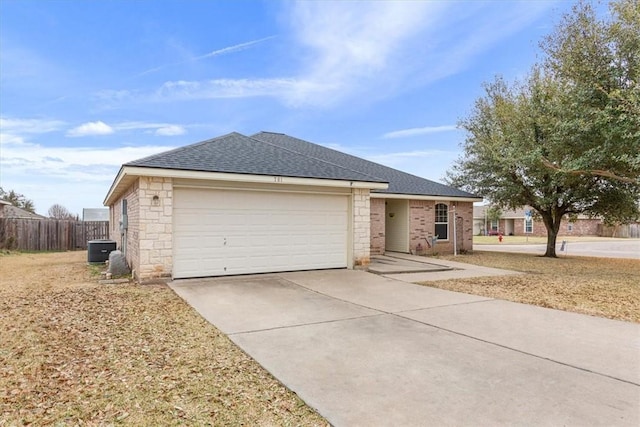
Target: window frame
528,226
438,215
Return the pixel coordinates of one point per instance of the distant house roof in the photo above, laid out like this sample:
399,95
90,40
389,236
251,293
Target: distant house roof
95,214
479,212
7,210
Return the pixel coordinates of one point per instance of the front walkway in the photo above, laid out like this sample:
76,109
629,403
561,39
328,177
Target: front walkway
441,270
369,350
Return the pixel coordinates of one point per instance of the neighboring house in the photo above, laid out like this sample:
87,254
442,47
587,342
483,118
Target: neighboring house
270,202
95,214
7,210
515,223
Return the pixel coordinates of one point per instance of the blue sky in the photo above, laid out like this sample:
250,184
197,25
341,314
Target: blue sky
88,85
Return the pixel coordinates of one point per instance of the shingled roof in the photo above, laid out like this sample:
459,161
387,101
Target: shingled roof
268,153
236,153
7,210
399,182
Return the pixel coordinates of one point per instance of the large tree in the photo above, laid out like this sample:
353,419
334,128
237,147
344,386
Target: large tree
566,139
18,200
598,64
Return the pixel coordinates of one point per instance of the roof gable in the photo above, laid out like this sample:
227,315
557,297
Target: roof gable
399,182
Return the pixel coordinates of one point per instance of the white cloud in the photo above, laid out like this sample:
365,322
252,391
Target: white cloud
351,45
228,88
29,126
403,133
101,128
430,164
90,129
391,157
352,51
75,177
160,129
170,130
72,163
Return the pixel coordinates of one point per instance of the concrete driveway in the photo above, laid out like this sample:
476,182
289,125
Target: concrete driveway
366,350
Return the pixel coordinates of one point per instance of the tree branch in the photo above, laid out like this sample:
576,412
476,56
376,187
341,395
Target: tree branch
596,172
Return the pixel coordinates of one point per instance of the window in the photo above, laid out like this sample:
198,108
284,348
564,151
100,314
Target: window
442,221
570,227
528,225
494,225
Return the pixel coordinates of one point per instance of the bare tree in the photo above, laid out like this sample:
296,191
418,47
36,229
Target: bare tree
57,211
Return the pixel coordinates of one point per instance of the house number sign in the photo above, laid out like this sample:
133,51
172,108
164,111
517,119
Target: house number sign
277,179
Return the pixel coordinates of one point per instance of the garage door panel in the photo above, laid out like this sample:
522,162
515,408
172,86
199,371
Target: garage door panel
222,232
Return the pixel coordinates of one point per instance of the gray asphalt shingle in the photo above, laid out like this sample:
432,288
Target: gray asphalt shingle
399,182
236,153
277,154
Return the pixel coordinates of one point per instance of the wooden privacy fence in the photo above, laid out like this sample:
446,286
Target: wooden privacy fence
625,230
50,234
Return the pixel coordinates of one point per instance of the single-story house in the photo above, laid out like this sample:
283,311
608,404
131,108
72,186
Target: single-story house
269,202
516,223
7,210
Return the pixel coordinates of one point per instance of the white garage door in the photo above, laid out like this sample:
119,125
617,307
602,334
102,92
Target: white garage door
224,232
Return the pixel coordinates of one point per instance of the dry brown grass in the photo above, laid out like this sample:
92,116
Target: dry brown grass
596,286
78,353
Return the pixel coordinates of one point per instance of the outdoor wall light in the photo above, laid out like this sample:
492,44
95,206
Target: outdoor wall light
391,214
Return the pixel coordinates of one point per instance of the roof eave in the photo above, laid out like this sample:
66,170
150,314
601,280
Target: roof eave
128,174
377,195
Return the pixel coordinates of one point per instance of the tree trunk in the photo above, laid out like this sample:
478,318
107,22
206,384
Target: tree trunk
552,235
552,223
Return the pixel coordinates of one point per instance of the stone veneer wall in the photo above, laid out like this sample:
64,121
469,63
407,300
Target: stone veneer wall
378,212
361,227
155,229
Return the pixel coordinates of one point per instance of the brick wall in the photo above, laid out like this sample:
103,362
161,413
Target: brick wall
361,227
581,227
377,226
422,225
